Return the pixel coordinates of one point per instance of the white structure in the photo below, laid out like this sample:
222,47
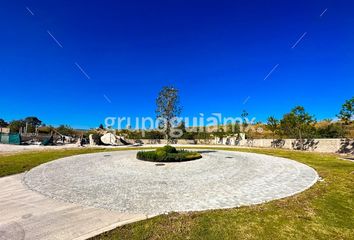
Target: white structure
109,138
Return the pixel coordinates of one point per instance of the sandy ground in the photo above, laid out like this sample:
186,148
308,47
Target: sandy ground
8,148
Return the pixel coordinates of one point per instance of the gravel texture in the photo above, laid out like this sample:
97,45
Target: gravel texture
221,179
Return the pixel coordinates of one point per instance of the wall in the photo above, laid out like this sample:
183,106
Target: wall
334,145
4,130
179,141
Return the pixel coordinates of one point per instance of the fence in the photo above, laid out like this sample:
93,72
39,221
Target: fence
10,138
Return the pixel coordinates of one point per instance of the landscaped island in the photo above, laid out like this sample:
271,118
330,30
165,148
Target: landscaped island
168,154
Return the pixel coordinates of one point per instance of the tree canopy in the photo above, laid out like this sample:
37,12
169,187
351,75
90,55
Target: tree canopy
167,108
32,123
346,114
3,123
16,125
273,125
66,130
298,124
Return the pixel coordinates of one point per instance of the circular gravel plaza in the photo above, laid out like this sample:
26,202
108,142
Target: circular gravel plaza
221,179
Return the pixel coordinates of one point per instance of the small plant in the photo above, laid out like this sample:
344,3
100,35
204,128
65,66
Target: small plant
168,154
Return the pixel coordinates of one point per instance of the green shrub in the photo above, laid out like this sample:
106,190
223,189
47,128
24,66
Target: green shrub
333,130
168,149
149,155
161,154
167,154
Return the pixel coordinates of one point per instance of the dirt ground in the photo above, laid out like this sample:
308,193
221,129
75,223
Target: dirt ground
8,148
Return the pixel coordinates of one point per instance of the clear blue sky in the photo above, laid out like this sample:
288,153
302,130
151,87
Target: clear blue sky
217,53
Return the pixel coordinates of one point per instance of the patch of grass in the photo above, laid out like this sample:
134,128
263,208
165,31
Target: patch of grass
325,211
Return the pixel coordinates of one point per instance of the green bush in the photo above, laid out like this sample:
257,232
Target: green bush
167,154
149,156
333,130
168,149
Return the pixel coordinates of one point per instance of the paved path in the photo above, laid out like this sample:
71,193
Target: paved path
25,214
119,182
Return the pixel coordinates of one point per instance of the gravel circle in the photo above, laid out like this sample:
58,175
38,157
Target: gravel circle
221,179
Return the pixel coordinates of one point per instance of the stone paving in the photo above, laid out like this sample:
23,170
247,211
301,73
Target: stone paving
25,214
221,179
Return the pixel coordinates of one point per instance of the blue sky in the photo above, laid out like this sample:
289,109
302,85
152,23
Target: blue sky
217,53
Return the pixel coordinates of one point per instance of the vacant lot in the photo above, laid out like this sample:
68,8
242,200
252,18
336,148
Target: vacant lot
325,211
